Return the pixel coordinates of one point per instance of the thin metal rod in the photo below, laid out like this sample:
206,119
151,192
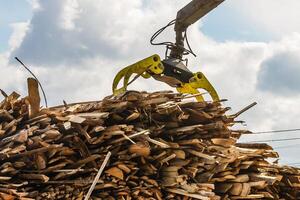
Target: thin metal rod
3,93
98,176
244,110
45,98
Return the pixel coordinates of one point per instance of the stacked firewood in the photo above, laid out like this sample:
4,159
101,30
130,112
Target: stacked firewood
163,146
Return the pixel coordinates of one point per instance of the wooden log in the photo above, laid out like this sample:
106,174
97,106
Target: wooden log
40,177
33,97
116,172
236,189
186,194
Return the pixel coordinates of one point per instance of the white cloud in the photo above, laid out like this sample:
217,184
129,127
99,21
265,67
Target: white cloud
282,71
70,13
76,58
279,17
19,32
13,78
114,30
34,4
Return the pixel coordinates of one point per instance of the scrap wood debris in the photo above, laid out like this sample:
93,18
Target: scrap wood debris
162,147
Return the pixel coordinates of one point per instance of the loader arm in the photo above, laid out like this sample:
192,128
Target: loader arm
187,16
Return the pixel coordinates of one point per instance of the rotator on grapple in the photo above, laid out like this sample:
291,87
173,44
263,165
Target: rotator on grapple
172,69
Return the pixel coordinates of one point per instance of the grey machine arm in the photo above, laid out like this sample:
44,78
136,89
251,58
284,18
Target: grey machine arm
188,15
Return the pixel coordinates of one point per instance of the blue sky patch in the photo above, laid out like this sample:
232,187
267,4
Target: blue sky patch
226,23
11,11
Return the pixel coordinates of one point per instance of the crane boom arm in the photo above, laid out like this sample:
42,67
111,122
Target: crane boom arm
193,11
188,15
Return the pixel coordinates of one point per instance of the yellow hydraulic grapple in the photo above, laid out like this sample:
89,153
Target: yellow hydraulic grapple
172,69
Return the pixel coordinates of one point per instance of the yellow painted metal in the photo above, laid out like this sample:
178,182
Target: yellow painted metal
153,65
199,81
144,68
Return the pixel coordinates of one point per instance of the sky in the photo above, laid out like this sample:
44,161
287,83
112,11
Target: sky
249,50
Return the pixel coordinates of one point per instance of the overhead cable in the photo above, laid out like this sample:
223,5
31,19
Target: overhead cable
277,131
276,140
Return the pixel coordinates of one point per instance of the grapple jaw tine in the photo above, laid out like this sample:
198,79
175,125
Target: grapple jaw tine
123,74
186,88
142,68
199,81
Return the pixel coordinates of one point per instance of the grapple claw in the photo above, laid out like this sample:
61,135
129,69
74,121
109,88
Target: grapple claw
172,72
145,67
199,81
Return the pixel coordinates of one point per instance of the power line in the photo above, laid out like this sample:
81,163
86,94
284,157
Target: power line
297,164
286,146
277,131
276,140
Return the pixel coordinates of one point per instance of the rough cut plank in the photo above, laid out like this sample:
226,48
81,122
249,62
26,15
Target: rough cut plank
228,142
33,97
116,172
252,196
183,193
76,119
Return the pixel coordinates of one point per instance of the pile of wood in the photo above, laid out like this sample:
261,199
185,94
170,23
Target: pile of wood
163,146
